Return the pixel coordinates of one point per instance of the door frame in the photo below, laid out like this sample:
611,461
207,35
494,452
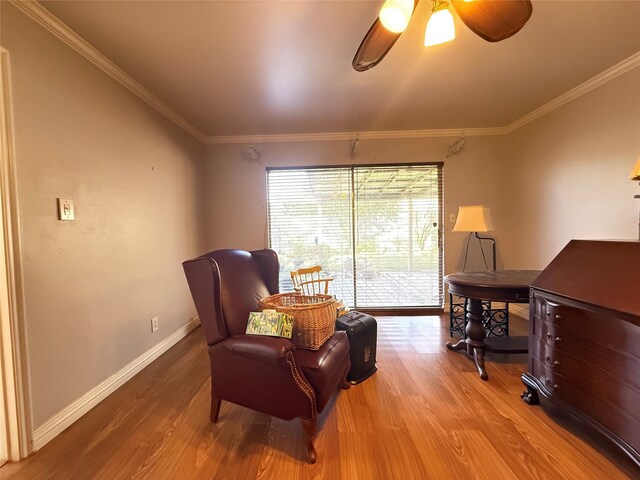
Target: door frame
373,310
14,373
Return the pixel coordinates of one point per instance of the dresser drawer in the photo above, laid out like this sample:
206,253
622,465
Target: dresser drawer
546,375
614,362
545,353
607,342
614,407
549,339
601,396
582,323
544,330
604,388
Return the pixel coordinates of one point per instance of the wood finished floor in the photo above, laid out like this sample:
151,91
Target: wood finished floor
424,414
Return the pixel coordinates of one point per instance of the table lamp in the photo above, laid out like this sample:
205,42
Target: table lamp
474,219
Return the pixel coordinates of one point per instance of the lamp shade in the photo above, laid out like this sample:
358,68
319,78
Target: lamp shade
473,218
635,173
440,27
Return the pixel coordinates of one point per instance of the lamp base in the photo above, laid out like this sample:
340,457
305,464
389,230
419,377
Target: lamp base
493,240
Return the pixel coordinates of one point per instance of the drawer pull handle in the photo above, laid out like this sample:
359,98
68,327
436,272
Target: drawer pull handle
553,340
548,383
558,317
554,363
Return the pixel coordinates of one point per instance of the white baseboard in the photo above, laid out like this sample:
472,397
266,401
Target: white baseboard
72,412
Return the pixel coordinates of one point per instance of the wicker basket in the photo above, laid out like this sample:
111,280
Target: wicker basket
314,316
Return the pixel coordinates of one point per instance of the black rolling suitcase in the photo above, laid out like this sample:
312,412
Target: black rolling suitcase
362,331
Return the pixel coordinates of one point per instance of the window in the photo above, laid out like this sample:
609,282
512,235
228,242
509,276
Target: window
375,229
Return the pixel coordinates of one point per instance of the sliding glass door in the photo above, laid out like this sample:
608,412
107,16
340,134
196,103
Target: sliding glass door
310,223
375,229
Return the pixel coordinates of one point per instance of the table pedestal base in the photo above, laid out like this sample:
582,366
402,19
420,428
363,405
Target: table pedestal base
478,355
493,345
474,343
510,286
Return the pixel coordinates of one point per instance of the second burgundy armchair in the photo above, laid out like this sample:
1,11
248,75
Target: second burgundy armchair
267,374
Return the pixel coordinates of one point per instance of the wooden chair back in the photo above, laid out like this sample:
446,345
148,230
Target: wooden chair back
310,281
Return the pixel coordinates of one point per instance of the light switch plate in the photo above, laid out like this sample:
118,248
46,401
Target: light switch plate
65,209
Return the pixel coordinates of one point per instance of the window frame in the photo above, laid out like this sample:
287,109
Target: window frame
412,310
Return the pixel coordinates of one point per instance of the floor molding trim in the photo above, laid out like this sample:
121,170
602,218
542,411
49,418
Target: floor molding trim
67,416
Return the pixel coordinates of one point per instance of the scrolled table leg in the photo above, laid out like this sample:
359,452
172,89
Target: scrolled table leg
478,358
462,344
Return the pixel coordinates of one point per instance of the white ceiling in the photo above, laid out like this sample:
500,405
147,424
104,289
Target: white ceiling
284,67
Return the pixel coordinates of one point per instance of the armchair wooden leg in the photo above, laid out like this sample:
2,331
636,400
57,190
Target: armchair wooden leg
309,427
215,408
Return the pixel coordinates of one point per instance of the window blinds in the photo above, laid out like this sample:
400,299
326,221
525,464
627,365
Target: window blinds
375,229
310,224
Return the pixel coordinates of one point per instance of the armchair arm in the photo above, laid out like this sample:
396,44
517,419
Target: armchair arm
265,349
261,348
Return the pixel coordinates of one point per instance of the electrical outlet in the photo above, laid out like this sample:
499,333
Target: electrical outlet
154,324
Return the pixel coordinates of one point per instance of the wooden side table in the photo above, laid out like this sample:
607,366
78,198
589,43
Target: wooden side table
501,286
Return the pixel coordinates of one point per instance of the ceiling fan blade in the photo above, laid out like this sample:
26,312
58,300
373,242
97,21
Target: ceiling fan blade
375,45
494,20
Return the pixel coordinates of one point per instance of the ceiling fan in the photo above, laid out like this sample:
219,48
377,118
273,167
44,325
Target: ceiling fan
493,20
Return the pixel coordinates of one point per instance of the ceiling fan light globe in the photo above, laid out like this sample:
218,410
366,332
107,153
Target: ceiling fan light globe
635,173
395,15
440,28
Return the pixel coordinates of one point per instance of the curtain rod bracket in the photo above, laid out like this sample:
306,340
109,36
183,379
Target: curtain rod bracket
354,146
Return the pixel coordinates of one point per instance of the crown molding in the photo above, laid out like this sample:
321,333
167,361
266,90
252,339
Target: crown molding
611,73
374,135
50,22
618,69
42,16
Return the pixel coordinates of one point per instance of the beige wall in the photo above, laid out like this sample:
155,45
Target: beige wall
92,285
236,216
563,176
568,174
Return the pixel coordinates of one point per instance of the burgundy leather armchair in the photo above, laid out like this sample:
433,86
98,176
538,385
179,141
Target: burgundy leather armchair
267,374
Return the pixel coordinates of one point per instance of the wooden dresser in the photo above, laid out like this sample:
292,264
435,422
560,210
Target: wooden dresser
584,338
